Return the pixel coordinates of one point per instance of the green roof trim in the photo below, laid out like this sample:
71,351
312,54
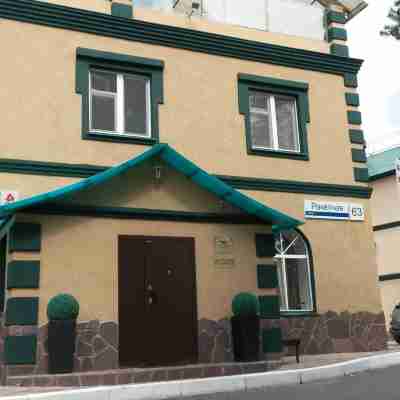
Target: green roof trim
277,219
382,164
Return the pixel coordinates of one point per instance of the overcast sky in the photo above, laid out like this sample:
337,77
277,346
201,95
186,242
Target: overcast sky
379,79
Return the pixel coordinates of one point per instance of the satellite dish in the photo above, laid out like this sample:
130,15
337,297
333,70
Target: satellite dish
352,7
188,7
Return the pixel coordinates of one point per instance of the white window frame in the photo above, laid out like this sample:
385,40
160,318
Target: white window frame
273,122
282,256
119,105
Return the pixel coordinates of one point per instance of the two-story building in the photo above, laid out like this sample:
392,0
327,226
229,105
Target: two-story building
167,155
385,217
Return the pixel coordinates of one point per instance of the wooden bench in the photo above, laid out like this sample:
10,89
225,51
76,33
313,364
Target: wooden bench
293,342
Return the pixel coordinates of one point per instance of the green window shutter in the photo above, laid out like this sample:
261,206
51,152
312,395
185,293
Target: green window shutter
337,34
350,80
121,10
23,274
265,245
269,307
337,17
267,276
361,174
352,99
356,136
25,237
20,350
358,155
354,117
272,340
22,311
339,50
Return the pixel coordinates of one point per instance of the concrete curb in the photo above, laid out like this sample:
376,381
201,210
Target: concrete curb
186,388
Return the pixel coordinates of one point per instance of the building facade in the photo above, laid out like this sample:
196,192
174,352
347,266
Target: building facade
385,218
163,161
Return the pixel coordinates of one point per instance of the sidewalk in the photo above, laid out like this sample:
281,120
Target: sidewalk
313,361
310,362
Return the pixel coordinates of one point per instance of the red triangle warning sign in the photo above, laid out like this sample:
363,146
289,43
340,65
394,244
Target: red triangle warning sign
9,198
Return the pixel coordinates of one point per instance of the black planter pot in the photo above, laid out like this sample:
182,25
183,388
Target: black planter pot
61,346
246,338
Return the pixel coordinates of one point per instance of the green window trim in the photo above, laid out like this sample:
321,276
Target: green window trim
121,10
150,68
22,311
339,50
352,99
272,340
23,274
269,307
337,34
265,245
358,155
25,237
267,276
354,117
20,350
336,17
299,90
298,314
350,80
356,136
361,175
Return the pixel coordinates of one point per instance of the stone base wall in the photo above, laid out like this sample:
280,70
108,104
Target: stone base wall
97,342
335,333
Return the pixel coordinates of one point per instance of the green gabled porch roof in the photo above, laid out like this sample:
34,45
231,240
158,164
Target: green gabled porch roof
277,219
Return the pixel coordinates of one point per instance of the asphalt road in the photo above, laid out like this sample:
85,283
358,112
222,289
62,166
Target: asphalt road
374,385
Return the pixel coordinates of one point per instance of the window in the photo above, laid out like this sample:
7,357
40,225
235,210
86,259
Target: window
294,272
120,104
273,122
276,116
121,95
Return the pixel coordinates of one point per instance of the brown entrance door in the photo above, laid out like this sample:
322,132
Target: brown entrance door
157,301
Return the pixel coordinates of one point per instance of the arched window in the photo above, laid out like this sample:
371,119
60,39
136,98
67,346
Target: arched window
296,282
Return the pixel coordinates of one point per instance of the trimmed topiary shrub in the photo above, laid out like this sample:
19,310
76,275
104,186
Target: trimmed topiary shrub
62,307
245,305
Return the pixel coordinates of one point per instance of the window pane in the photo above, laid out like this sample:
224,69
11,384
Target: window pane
294,243
259,100
281,284
136,113
261,135
287,123
103,113
104,81
298,286
260,120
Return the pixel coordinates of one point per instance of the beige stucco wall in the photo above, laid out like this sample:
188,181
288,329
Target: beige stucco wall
79,254
344,254
199,118
387,251
385,201
390,292
385,209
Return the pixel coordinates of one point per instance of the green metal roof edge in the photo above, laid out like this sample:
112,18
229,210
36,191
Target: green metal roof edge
277,219
382,164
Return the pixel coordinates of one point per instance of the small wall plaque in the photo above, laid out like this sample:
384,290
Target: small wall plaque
223,252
